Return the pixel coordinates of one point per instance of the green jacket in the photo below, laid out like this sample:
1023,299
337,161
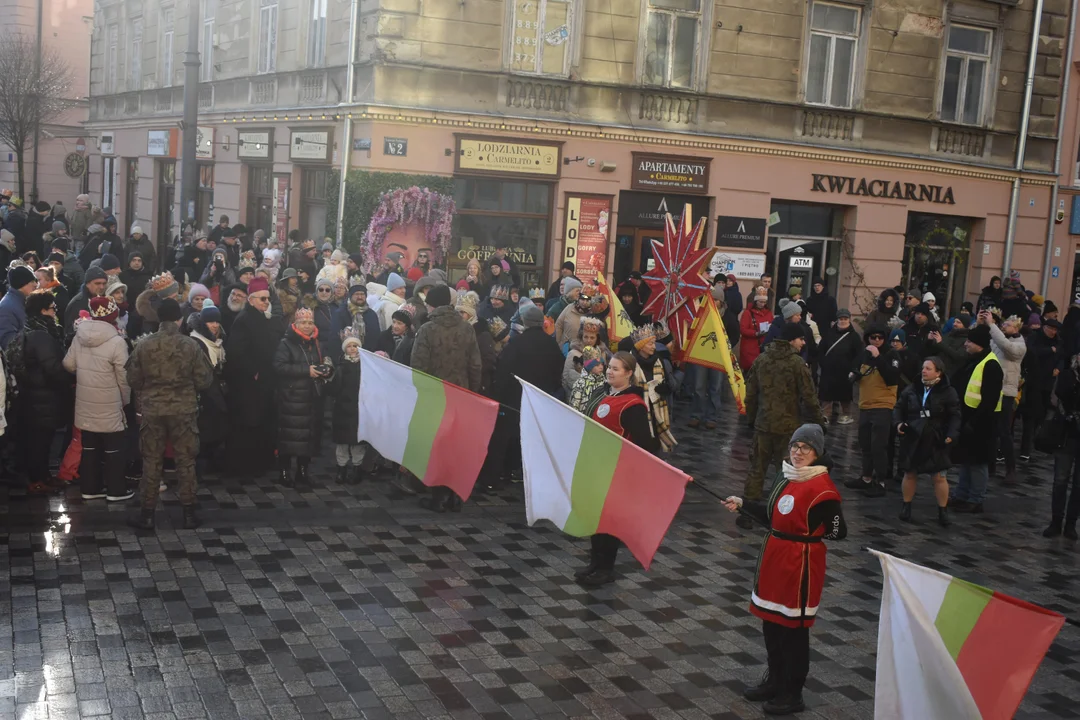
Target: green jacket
167,371
780,394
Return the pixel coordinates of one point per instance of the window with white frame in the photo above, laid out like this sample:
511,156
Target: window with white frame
135,56
830,62
165,52
317,34
671,43
967,68
112,57
209,14
268,21
540,37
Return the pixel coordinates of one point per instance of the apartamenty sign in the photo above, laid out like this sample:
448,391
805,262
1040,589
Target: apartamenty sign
509,156
839,184
670,173
310,145
254,144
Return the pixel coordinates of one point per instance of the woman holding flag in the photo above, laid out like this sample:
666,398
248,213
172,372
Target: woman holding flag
618,405
803,509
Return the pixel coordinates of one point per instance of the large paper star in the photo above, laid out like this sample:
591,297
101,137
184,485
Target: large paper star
678,279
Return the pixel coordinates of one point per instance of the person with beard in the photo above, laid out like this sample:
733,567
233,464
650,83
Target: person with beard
840,348
466,308
250,347
236,299
214,426
144,246
324,319
137,274
1009,347
356,314
44,389
95,282
979,384
821,305
756,321
302,376
46,280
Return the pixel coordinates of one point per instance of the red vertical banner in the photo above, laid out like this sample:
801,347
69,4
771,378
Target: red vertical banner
281,209
586,238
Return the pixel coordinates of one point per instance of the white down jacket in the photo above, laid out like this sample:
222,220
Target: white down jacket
97,357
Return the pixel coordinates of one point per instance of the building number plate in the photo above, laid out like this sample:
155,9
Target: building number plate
395,146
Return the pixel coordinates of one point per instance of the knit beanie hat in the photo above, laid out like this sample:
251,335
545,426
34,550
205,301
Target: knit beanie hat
94,273
104,309
569,284
209,313
257,284
394,282
20,276
438,296
810,434
58,225
794,291
898,334
169,310
109,262
466,303
55,258
533,317
791,309
980,335
403,315
198,290
791,331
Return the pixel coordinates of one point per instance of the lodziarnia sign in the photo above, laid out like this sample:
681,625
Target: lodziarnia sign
882,189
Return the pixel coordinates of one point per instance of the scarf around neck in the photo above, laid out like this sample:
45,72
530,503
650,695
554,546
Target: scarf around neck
931,383
794,474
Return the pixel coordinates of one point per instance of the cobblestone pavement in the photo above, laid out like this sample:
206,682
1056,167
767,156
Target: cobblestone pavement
347,602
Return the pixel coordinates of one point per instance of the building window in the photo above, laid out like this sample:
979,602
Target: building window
313,184
112,58
540,40
166,53
830,66
967,64
268,36
671,42
209,13
204,204
317,34
135,53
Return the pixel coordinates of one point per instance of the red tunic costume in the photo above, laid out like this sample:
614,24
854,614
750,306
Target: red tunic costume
791,567
609,412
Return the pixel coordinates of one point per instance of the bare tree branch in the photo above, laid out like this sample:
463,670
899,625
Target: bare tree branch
30,95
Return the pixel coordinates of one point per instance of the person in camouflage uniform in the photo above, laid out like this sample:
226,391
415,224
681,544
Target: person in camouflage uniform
167,371
779,393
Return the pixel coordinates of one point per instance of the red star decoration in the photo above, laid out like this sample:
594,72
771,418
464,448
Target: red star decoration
678,279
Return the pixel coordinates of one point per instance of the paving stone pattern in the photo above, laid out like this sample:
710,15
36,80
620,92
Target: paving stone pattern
348,602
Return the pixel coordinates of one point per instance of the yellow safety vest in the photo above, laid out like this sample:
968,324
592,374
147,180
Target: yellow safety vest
973,393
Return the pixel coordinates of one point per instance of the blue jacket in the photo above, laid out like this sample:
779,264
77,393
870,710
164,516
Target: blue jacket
343,319
12,316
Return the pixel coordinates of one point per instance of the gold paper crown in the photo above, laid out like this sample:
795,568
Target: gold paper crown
644,332
162,281
303,314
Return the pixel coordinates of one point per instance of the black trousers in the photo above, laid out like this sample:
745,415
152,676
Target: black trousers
604,550
789,655
38,449
1066,483
103,463
874,427
1005,434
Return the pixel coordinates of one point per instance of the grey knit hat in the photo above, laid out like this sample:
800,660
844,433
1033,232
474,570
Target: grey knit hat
791,310
812,435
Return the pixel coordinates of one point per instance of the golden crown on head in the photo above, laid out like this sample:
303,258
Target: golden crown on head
162,281
303,314
645,332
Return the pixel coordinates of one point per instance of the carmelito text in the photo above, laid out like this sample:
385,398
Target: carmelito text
883,189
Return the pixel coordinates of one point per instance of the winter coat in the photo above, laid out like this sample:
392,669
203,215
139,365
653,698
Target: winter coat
918,337
81,218
488,356
368,318
35,229
299,396
909,370
97,357
346,393
136,280
751,333
535,358
74,274
882,317
1043,356
446,348
952,349
12,316
15,223
977,425
780,392
777,328
390,305
571,372
329,343
403,354
922,446
388,343
145,247
249,373
567,325
989,297
822,307
1010,353
167,371
214,426
46,389
838,351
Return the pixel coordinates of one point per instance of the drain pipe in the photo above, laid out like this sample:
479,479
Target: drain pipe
1021,145
1057,153
346,144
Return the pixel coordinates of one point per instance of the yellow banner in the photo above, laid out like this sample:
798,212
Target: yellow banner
508,156
708,346
619,325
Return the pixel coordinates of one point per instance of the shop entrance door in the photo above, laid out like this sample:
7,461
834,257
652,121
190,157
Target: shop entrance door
166,199
633,250
798,261
1076,279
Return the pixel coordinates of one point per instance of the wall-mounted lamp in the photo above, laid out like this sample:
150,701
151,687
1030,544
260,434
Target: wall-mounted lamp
568,160
606,166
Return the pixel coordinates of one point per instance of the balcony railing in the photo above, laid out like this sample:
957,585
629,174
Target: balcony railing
263,91
313,87
969,142
537,95
827,125
668,108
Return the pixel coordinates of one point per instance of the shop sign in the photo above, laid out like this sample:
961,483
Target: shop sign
882,189
395,146
108,143
741,265
74,165
512,157
647,210
586,236
662,173
254,144
802,262
281,208
740,232
161,143
469,251
204,142
309,145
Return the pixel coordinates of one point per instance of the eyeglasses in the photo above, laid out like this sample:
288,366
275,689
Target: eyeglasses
877,337
801,448
259,299
324,290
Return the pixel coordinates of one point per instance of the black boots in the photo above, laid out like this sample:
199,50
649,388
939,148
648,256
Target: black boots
744,522
355,476
302,478
943,517
1053,529
342,474
191,520
767,689
905,512
784,704
1070,530
143,520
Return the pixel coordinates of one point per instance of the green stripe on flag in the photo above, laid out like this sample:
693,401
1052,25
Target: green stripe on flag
960,610
593,471
426,418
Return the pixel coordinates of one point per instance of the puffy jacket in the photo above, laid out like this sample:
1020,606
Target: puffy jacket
346,392
46,389
167,370
12,316
922,446
97,357
749,327
1010,353
567,325
389,306
299,397
446,348
329,342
